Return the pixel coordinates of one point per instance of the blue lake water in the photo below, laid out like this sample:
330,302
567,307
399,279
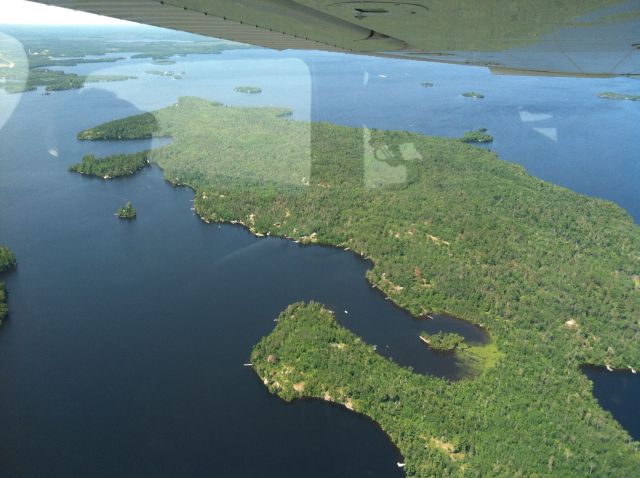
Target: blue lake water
123,354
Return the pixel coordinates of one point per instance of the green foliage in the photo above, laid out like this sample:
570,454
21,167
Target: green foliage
477,136
248,89
4,308
112,166
140,126
446,429
472,94
442,341
127,211
7,259
450,228
7,262
609,95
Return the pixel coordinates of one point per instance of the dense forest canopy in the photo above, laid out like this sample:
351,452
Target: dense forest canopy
551,274
140,126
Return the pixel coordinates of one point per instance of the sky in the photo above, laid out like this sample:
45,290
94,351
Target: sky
22,12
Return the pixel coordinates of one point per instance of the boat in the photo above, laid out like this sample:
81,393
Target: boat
400,465
609,368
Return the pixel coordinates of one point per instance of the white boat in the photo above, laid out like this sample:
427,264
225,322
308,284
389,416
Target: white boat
400,465
609,368
247,365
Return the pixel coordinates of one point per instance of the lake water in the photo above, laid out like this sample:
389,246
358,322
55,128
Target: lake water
123,355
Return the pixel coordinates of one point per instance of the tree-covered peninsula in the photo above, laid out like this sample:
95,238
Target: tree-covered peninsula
550,274
7,262
111,166
140,126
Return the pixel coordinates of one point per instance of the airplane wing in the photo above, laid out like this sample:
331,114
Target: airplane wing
566,37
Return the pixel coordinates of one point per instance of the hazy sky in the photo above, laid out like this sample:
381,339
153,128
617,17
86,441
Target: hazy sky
20,11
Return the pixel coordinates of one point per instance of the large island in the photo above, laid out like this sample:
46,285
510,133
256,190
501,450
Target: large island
552,276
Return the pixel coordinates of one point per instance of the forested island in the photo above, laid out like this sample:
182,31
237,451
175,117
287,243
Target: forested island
442,341
488,243
166,73
477,136
7,262
473,94
111,166
252,90
127,211
609,95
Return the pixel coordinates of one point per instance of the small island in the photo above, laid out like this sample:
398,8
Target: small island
127,211
251,90
111,166
163,62
477,136
609,95
443,341
473,94
7,263
166,73
426,84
